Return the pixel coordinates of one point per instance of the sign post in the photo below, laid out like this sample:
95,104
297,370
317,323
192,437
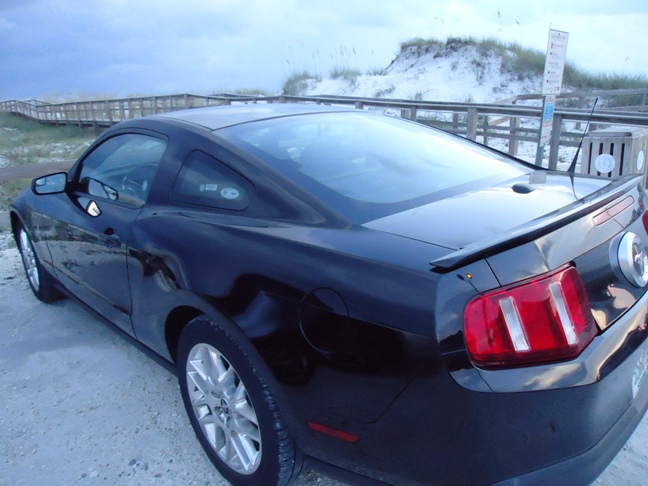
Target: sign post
551,85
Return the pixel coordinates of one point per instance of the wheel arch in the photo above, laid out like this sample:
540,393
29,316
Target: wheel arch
193,306
179,316
176,321
15,221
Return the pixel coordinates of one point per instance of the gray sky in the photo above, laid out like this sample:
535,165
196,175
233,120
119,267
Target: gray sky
114,48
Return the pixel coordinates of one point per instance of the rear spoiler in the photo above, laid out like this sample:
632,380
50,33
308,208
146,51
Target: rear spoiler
538,227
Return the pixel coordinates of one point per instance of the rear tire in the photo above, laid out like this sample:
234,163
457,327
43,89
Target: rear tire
232,409
42,283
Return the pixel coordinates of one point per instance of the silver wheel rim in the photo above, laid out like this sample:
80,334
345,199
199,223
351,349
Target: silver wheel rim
223,408
29,259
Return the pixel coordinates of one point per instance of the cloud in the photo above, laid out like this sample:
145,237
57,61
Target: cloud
120,47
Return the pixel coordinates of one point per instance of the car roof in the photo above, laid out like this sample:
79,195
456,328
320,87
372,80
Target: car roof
215,117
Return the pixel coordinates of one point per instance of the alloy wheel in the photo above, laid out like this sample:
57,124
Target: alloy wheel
29,260
223,409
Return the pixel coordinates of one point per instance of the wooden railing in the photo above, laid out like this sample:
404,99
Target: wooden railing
508,120
105,113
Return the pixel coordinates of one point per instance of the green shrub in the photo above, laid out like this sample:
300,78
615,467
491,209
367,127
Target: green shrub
297,84
381,93
349,75
376,71
25,141
420,42
251,92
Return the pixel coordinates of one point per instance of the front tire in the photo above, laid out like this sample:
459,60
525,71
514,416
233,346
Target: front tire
231,408
42,283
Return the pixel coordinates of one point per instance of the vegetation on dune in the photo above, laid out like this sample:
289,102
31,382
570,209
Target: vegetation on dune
306,67
348,74
252,92
376,71
517,61
297,84
9,190
524,62
25,141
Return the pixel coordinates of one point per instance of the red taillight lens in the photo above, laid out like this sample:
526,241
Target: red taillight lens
644,220
544,319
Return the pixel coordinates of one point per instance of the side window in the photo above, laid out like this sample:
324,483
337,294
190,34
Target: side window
122,168
205,181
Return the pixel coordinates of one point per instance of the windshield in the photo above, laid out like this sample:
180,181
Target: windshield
367,166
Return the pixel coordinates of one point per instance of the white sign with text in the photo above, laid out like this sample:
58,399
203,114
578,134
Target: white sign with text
555,62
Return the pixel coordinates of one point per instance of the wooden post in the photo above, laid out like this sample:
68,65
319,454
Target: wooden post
471,124
359,105
56,113
413,113
455,122
513,137
108,106
554,144
93,116
582,101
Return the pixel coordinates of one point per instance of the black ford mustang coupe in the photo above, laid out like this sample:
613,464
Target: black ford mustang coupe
357,292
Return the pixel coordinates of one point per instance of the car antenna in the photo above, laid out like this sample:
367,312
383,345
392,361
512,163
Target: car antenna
572,166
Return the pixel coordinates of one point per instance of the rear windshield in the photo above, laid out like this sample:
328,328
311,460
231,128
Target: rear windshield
367,166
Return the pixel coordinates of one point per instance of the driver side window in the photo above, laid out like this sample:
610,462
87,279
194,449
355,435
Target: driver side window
122,168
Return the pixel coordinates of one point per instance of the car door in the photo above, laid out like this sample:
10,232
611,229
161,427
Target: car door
108,189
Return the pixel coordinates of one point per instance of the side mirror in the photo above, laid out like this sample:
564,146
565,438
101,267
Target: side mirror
50,184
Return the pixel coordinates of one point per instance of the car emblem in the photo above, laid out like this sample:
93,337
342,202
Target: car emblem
633,259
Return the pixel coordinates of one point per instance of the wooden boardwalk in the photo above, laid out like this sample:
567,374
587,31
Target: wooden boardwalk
508,120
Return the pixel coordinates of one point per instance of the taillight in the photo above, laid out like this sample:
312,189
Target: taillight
644,220
547,318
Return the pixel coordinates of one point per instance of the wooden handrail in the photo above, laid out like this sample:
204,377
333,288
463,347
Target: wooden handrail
471,120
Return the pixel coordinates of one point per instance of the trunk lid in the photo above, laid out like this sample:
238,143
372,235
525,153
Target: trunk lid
488,212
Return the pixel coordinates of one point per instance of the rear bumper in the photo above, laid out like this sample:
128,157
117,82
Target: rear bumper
552,424
555,437
586,467
592,404
456,425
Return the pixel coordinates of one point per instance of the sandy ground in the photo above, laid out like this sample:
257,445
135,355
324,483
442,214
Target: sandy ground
82,406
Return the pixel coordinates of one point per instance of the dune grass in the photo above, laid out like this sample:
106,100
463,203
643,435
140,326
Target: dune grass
524,62
24,141
297,84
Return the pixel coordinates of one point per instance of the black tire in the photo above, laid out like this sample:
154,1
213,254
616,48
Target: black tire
42,283
243,432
